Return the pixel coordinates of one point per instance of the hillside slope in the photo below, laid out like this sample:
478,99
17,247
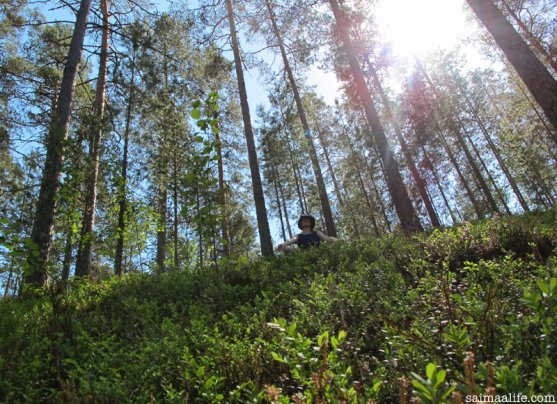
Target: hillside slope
353,321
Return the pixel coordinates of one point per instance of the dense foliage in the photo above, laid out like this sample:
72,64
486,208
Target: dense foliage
470,309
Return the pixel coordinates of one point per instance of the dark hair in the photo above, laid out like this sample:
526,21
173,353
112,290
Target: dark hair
310,217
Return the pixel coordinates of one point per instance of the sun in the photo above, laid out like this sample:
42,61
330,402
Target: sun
417,27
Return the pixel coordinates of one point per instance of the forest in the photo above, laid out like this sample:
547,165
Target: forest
143,195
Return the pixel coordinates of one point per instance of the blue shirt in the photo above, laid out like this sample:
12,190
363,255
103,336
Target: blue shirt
308,240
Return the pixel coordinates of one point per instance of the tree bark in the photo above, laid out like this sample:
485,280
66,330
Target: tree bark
41,234
84,250
403,205
532,72
258,195
324,199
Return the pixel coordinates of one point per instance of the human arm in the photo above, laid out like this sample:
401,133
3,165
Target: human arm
293,240
324,237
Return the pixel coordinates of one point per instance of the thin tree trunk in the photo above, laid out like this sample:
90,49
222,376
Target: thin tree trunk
534,42
532,72
368,201
258,195
355,159
475,169
497,155
341,202
67,262
41,233
532,104
419,181
124,173
84,250
325,205
222,198
403,205
279,208
289,228
378,196
162,196
9,280
325,148
297,179
456,166
175,207
489,176
429,164
512,127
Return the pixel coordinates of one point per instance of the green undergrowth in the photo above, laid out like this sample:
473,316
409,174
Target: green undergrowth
434,317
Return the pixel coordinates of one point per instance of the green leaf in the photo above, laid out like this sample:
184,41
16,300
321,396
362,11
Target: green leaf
447,393
198,139
278,358
543,286
195,113
422,389
552,284
196,104
430,370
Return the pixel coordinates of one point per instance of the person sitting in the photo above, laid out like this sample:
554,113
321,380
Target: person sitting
307,238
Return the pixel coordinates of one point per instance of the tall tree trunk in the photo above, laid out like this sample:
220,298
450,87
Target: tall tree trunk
258,195
324,199
420,183
84,250
534,42
41,233
532,72
403,205
122,203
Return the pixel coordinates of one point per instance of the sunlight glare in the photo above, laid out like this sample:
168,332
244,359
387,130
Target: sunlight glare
417,27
